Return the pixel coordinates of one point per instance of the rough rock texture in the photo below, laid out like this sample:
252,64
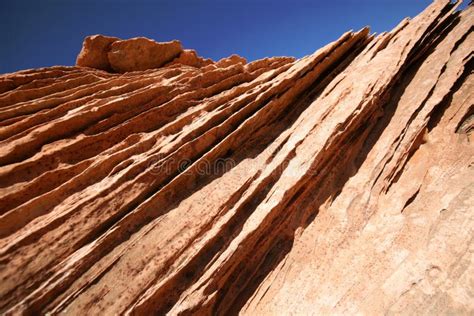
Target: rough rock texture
94,52
341,182
189,57
141,54
231,60
135,54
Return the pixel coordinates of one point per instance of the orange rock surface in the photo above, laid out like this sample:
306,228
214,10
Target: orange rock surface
138,54
338,183
94,52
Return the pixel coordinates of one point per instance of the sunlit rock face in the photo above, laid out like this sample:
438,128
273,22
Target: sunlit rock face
147,179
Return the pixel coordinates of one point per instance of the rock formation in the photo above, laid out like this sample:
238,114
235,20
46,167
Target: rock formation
95,51
341,182
136,54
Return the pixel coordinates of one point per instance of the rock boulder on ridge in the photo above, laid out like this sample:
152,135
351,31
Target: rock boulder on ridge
141,53
94,52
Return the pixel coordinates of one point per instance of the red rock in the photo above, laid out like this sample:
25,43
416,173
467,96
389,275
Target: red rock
94,52
338,183
140,53
231,60
189,57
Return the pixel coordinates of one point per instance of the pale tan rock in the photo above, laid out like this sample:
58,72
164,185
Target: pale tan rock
140,53
337,183
94,52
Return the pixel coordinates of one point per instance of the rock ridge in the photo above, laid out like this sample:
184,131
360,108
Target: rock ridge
147,179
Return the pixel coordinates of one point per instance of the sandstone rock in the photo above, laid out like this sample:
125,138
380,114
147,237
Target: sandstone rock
231,60
94,52
338,183
141,54
189,57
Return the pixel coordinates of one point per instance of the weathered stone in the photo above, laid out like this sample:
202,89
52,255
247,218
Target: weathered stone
94,52
231,60
189,57
140,53
338,183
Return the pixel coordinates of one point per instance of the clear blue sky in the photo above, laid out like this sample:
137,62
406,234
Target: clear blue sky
50,32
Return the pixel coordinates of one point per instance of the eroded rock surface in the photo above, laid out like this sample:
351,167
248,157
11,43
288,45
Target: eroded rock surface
141,53
135,54
94,52
338,183
190,57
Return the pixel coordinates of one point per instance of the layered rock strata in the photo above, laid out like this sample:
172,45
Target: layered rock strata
341,182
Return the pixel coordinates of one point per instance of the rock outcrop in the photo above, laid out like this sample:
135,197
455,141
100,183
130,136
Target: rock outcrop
94,52
135,54
140,54
189,57
338,183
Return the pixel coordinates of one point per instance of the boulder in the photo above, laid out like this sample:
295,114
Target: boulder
94,52
141,53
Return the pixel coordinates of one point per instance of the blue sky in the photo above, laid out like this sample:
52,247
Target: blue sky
50,32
